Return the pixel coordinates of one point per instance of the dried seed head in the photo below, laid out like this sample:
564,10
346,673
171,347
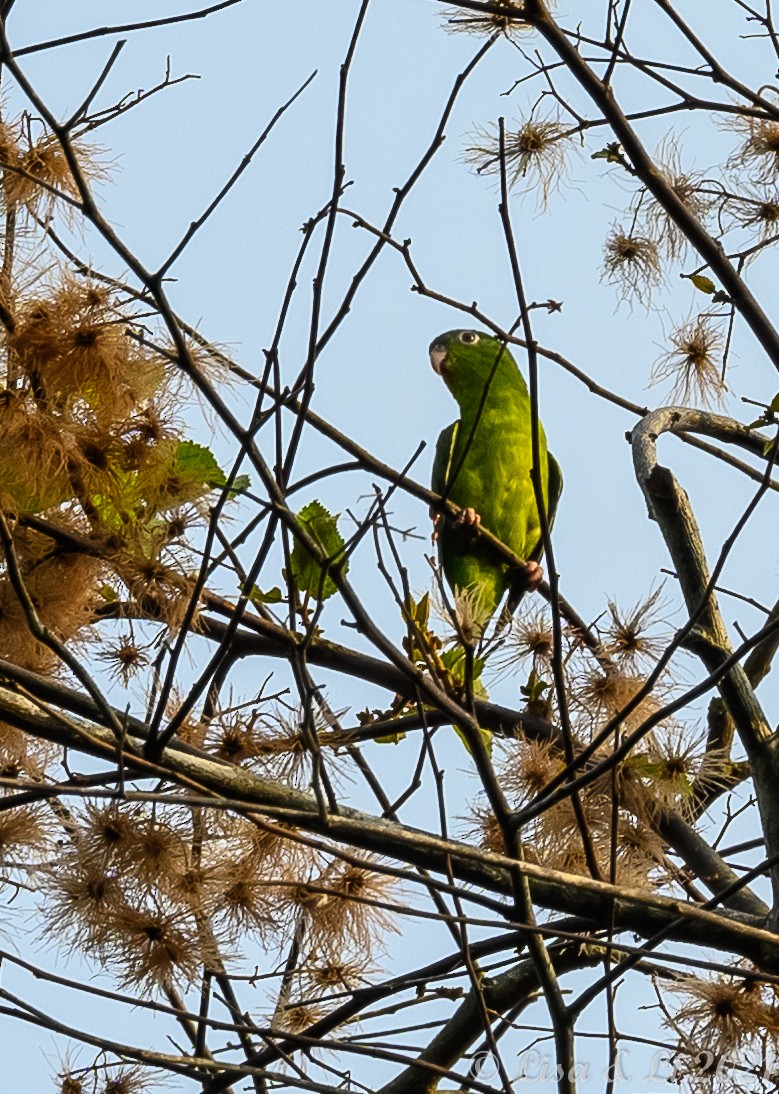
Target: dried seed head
151,948
465,21
158,588
758,153
485,829
9,146
108,833
537,151
529,635
193,729
273,744
274,853
21,829
759,214
694,362
605,694
297,1017
33,458
473,608
557,842
767,215
713,771
631,262
336,975
722,1014
72,1083
265,846
627,638
178,523
126,1080
346,912
46,161
73,346
125,657
61,590
44,172
243,877
689,188
529,768
21,754
232,739
82,900
639,854
191,886
243,898
670,767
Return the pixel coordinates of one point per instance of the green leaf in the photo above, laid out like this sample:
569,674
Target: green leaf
533,690
322,527
703,283
768,417
241,484
195,466
454,662
390,739
365,717
612,153
419,613
486,736
535,687
273,596
196,462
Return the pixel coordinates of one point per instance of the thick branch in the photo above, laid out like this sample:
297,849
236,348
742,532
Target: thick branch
633,909
515,989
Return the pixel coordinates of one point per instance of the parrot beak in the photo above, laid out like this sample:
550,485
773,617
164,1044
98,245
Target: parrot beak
438,357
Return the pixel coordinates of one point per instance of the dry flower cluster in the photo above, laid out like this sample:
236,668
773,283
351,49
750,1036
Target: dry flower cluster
666,771
99,490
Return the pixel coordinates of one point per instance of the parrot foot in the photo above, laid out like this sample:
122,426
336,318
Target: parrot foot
469,520
468,516
528,576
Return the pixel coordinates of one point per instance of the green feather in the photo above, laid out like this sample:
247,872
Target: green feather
484,461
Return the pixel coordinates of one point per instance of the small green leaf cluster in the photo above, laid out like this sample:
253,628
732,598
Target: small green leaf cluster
309,575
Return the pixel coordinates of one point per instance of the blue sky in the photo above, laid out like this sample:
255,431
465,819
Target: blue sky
171,155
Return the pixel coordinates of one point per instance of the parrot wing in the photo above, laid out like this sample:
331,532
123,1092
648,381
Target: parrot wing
554,490
455,541
555,481
442,463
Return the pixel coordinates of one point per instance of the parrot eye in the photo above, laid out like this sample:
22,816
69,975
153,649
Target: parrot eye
469,337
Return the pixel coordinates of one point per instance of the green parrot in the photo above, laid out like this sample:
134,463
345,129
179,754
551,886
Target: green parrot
482,464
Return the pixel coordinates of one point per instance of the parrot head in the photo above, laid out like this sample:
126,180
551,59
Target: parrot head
469,359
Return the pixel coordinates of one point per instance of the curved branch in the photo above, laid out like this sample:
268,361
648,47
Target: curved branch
669,505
